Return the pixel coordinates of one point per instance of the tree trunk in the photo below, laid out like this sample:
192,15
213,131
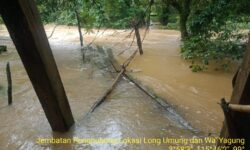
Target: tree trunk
149,13
183,7
183,25
79,27
164,16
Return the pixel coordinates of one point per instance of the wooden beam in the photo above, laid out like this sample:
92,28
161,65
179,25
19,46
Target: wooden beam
242,84
26,30
241,95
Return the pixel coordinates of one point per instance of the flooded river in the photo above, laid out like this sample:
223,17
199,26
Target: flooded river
161,68
128,112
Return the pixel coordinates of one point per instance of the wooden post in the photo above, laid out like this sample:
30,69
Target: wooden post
138,37
9,90
26,30
228,119
135,23
79,27
241,95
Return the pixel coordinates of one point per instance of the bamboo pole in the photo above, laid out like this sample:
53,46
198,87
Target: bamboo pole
235,107
239,108
9,90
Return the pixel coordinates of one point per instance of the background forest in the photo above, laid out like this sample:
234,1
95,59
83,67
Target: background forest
211,30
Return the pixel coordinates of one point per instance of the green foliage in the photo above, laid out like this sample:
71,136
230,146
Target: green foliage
164,11
119,13
215,35
211,29
196,68
206,50
108,13
209,20
60,12
49,10
166,15
66,17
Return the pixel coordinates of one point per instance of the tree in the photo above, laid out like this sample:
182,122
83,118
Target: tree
184,9
62,12
163,10
215,33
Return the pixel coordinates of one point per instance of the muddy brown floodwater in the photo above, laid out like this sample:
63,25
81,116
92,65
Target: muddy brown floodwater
128,112
161,68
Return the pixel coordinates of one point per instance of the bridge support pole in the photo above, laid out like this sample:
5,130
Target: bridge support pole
241,95
26,30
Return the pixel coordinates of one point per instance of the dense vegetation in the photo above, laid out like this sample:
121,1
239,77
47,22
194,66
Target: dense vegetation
211,30
216,33
93,13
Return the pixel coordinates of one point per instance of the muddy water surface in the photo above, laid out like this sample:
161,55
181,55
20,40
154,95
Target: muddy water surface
128,112
194,95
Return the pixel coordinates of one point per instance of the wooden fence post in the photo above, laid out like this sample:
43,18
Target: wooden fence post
9,90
